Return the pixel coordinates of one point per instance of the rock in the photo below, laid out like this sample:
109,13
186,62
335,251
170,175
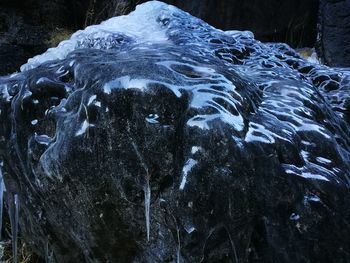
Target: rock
155,137
333,33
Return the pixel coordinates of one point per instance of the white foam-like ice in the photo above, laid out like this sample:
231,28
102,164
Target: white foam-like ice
125,82
141,25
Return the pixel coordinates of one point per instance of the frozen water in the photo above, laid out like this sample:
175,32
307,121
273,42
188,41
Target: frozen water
2,189
14,217
185,170
147,192
83,128
137,26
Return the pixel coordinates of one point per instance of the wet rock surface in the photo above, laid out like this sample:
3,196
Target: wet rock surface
334,35
194,145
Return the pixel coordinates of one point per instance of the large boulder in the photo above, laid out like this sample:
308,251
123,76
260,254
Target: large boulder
333,32
155,137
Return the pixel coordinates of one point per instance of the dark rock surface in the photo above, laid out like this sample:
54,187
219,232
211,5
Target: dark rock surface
27,27
242,148
334,32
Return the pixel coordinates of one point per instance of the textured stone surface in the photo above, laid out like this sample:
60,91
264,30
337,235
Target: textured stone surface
243,147
334,35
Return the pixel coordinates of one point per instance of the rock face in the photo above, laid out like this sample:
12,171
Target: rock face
155,137
334,36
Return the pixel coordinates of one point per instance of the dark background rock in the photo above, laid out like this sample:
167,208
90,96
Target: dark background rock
27,27
334,32
291,22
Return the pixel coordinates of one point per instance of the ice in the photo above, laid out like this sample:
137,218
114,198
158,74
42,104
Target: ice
306,175
196,149
189,227
258,132
48,253
43,139
246,33
311,198
146,187
178,254
152,118
34,122
137,25
83,128
14,216
91,99
313,176
5,94
185,170
125,82
294,217
147,192
323,160
2,188
314,58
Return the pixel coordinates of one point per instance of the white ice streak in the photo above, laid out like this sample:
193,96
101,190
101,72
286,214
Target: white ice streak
196,149
147,192
125,82
34,122
236,33
311,198
2,189
307,175
14,216
83,128
4,92
146,187
91,99
141,25
323,160
185,170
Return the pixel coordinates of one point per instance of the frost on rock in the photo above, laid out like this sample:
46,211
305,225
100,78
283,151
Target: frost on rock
155,137
139,26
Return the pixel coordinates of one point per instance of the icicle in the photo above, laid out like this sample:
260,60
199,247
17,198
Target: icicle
2,186
147,190
48,253
146,187
14,214
178,244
